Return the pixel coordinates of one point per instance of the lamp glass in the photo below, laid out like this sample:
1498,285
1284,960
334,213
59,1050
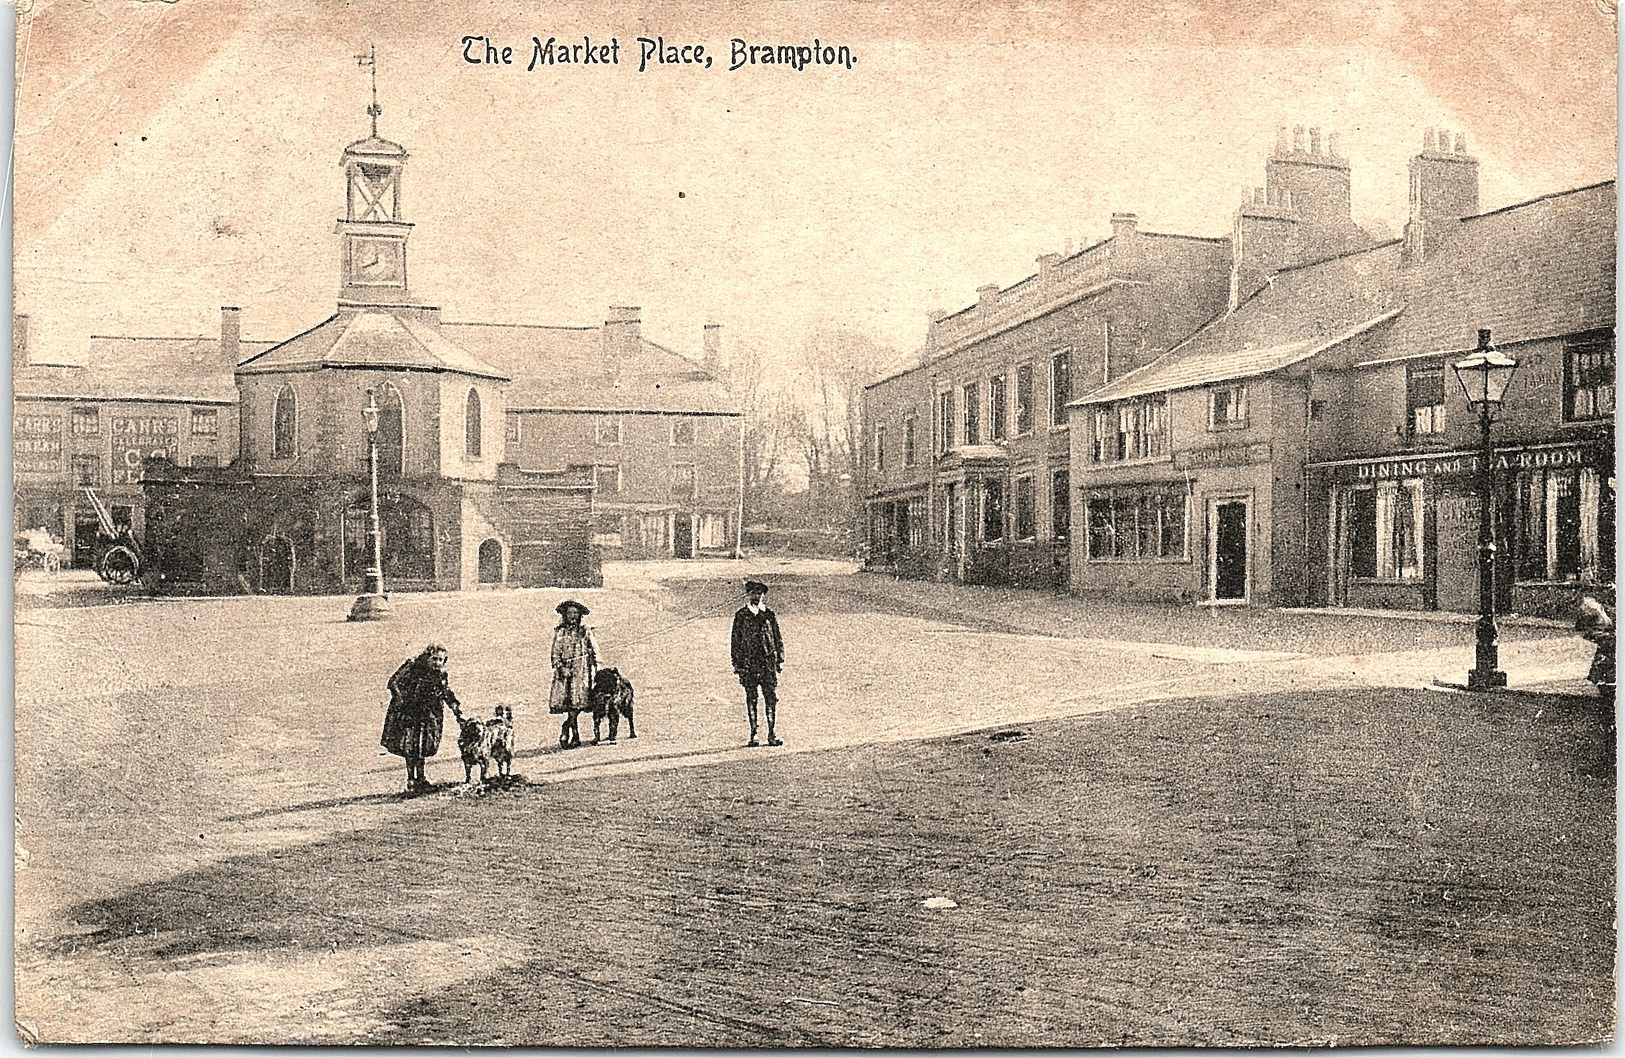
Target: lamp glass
370,414
1485,376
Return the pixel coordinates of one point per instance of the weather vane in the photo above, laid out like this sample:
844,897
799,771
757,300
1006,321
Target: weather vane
370,60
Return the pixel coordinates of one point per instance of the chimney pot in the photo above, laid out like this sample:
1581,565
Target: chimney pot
1461,143
1298,142
1332,146
1281,140
1427,139
1314,141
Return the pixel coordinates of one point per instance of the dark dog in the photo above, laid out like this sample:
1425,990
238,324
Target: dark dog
488,743
611,696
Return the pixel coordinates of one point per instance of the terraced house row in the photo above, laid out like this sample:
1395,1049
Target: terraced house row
1270,417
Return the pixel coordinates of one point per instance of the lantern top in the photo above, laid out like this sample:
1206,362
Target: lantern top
1485,374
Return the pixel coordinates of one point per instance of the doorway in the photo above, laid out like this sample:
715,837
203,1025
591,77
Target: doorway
1227,550
276,566
682,536
87,530
491,561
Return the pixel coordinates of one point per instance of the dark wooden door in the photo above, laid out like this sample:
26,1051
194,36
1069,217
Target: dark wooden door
1230,550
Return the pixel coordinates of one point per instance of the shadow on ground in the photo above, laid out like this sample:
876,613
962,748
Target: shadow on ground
1359,867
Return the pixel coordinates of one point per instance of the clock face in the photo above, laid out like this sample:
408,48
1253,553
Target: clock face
375,262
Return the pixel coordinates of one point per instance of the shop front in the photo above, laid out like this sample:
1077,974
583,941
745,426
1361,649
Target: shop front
1402,531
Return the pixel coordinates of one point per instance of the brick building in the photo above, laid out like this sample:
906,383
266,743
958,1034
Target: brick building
966,468
1311,446
496,442
93,425
662,436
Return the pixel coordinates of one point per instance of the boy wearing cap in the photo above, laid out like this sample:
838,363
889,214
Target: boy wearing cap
758,656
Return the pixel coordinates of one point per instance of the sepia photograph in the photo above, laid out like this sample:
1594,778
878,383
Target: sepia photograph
820,524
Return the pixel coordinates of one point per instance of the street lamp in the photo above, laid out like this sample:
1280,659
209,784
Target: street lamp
372,604
1484,377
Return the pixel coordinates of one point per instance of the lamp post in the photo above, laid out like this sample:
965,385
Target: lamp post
372,604
1484,377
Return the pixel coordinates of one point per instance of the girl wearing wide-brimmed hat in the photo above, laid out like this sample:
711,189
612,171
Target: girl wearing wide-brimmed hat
575,661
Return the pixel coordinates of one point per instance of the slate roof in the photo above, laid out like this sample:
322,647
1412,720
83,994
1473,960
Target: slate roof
1537,269
1217,364
372,339
137,369
565,369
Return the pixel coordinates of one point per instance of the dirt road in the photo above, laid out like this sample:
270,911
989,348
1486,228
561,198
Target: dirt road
1175,843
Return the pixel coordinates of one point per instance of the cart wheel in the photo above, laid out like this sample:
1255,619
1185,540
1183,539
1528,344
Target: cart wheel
119,565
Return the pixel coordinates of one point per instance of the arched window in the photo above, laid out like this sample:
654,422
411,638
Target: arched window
391,432
471,424
285,425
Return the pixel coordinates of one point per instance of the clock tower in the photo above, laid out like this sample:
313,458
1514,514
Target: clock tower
373,269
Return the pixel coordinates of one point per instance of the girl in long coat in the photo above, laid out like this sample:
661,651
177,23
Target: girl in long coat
575,661
419,691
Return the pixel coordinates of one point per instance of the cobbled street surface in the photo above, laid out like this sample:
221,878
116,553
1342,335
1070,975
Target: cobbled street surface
1154,825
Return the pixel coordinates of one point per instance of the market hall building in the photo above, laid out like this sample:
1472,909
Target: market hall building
464,502
1311,446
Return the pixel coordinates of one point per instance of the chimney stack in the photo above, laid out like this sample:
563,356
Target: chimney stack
1444,188
19,342
1047,263
987,297
713,350
622,334
231,335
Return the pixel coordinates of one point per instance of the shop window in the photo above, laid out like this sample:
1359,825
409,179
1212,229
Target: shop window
285,424
1138,524
472,429
607,430
1227,407
607,478
713,531
1026,509
945,421
205,422
682,433
911,454
85,422
880,450
1588,376
1024,399
996,408
1424,399
1060,488
1559,516
1060,386
1385,531
992,510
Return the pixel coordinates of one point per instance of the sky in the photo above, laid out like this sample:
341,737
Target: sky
173,157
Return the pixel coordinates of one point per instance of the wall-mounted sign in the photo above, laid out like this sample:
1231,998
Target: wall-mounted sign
138,438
